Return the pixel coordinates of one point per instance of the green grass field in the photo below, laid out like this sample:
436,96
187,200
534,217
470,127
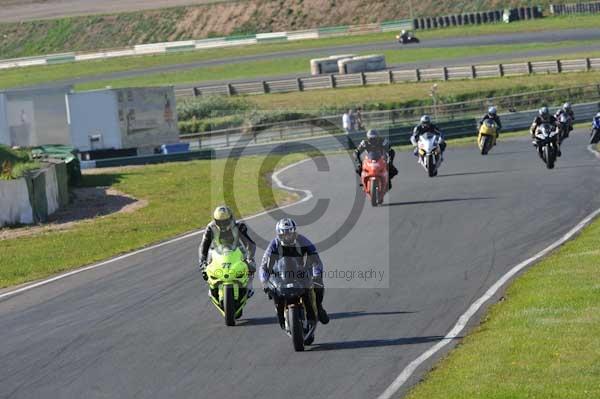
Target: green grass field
180,198
39,74
298,65
542,341
449,91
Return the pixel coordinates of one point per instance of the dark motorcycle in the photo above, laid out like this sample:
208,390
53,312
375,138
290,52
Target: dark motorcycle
290,286
407,39
595,139
546,141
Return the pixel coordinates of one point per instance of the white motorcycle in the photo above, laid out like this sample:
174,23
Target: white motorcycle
547,143
430,152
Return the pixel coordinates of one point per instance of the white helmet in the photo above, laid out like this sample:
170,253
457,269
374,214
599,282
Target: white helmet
286,232
492,111
403,31
425,120
566,106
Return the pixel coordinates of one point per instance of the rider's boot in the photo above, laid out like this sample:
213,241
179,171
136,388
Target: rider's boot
321,312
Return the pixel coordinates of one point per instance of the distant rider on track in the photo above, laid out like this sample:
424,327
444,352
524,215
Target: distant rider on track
492,114
544,116
425,126
375,143
567,110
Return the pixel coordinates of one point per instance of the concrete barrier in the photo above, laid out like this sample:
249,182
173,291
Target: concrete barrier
16,208
31,199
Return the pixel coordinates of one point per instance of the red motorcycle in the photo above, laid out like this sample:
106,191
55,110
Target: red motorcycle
375,176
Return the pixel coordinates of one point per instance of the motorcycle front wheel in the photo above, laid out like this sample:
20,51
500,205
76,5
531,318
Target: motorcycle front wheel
485,145
374,193
229,305
296,327
549,156
431,166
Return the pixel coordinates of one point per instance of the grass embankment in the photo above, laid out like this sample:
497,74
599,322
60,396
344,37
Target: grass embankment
180,198
15,163
542,341
185,23
39,74
213,113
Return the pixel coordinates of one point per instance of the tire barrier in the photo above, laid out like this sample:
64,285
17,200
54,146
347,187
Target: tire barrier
575,8
477,18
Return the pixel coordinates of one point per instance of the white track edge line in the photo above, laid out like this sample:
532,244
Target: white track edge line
307,195
465,317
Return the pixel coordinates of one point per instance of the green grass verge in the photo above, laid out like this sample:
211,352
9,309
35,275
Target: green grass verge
542,341
298,65
39,74
450,91
180,198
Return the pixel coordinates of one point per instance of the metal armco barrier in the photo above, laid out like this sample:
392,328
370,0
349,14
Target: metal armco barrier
395,76
398,135
303,129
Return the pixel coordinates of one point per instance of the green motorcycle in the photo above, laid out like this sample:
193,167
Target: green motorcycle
228,278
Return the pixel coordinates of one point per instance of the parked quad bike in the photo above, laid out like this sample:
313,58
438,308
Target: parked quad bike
228,277
488,134
546,141
375,176
430,153
290,286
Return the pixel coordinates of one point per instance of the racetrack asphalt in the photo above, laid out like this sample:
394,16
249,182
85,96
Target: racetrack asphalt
144,327
545,38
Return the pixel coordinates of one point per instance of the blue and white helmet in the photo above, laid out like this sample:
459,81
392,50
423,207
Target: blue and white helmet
425,120
566,106
286,232
492,111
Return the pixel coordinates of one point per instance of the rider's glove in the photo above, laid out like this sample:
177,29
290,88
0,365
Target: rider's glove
203,265
251,266
267,291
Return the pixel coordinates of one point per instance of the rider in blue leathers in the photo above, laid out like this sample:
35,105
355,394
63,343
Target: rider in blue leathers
289,243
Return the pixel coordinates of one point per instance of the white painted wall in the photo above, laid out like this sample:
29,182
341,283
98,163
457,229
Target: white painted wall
16,207
4,131
94,113
37,117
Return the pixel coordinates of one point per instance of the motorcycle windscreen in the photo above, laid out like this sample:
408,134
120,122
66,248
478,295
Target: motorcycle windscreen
374,155
290,276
